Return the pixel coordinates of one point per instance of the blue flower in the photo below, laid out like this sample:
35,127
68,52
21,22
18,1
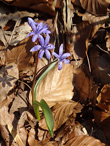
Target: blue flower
44,47
62,57
38,29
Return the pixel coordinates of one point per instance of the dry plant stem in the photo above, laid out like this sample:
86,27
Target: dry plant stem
34,79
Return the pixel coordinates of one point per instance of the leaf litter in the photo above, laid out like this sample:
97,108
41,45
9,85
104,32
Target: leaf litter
78,95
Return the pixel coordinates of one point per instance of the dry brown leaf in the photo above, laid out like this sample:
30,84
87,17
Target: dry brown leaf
57,85
81,33
2,58
102,116
8,76
97,7
41,5
108,44
84,140
62,113
104,96
79,40
101,67
8,139
82,84
31,137
96,22
19,32
5,117
20,102
21,55
66,132
16,137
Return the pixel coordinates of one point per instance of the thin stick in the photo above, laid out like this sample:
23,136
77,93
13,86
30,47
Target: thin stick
34,79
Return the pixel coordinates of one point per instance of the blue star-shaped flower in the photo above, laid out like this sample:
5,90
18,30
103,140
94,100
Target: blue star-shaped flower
38,29
62,57
44,47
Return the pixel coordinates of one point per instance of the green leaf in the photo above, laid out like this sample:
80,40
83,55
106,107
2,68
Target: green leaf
47,114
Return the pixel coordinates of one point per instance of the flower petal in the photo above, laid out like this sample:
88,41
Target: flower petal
65,55
47,39
56,55
43,30
66,61
47,31
47,53
33,26
40,25
50,46
61,50
30,20
60,64
41,40
31,33
35,48
34,38
45,25
41,53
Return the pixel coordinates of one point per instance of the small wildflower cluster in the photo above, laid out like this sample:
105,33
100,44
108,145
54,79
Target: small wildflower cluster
38,29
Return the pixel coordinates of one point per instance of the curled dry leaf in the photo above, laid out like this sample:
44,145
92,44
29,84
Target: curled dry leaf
102,116
5,119
84,140
57,85
104,96
96,22
82,84
66,132
101,67
19,32
81,33
79,38
97,7
8,76
44,6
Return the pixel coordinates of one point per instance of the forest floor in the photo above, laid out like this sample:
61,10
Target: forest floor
78,94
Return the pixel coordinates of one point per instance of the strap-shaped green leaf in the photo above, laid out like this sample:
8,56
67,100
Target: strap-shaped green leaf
47,114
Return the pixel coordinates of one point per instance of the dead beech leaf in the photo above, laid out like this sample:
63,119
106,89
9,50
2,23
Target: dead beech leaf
97,7
57,85
62,113
82,84
108,44
15,135
8,76
8,139
79,40
20,102
102,116
104,96
101,67
5,117
84,140
66,132
21,55
96,22
44,6
19,32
